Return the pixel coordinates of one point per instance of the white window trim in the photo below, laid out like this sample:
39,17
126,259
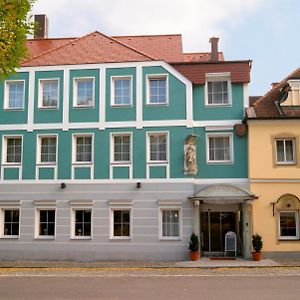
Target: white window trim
231,145
77,237
296,212
40,93
157,76
112,152
111,217
156,162
75,88
2,209
112,90
213,77
74,139
4,150
37,224
6,95
38,149
294,151
160,226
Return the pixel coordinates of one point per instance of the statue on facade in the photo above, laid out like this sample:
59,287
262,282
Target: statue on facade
190,156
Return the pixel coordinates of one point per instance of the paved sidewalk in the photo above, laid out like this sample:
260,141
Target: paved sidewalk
204,262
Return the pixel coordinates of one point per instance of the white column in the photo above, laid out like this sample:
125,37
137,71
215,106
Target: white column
102,104
31,89
139,97
65,100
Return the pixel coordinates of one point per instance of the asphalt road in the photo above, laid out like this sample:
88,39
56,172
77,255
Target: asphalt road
150,284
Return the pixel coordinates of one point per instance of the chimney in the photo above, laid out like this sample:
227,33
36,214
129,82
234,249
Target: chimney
41,30
214,49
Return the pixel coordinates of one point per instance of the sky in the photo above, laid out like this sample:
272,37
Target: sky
264,31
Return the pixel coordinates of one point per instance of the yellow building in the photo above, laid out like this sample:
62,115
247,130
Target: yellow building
274,167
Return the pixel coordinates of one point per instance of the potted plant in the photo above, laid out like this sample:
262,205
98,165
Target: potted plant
257,245
194,247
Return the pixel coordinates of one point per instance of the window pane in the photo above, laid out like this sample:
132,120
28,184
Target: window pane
170,223
16,95
288,224
47,222
84,149
49,93
280,151
83,222
158,147
14,149
48,149
11,222
158,90
85,92
219,148
122,148
289,150
285,150
122,91
217,92
121,225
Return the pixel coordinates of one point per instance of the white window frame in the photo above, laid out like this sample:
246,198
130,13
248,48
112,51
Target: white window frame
112,91
296,212
157,133
4,150
6,95
112,210
2,220
218,77
37,223
39,145
74,148
231,151
112,148
41,89
157,76
160,217
73,219
285,162
75,90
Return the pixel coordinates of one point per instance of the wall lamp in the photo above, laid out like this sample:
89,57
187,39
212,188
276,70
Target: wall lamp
63,185
138,185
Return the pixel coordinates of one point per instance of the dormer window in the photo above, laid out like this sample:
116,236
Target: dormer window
218,89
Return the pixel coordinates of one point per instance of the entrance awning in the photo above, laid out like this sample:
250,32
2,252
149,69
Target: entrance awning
223,194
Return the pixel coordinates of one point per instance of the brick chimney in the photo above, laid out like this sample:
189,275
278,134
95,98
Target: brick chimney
41,32
214,49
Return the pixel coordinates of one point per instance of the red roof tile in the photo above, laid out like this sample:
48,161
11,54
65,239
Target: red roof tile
195,72
161,47
200,56
89,49
265,106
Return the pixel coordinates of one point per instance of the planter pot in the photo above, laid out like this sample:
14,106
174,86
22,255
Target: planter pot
256,256
194,255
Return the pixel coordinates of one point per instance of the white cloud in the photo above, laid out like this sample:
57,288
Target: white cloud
196,20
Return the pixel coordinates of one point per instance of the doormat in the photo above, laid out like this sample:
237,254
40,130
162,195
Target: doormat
222,258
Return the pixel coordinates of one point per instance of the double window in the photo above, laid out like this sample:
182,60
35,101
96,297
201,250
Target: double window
82,223
170,223
121,91
11,222
48,148
157,90
46,222
120,227
12,153
122,148
285,151
158,147
218,89
14,94
83,148
84,91
288,225
219,148
49,93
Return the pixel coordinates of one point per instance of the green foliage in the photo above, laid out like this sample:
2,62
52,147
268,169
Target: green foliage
14,26
257,242
194,243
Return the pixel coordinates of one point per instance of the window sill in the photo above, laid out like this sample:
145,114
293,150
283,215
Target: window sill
218,105
157,104
220,162
121,105
170,239
158,162
11,164
48,108
47,238
14,109
82,163
84,107
289,240
120,238
46,164
10,237
81,238
285,164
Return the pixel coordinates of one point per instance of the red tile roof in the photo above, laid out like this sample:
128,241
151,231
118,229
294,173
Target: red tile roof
265,106
161,47
92,48
200,56
195,72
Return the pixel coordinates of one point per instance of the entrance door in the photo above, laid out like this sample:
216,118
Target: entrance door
214,226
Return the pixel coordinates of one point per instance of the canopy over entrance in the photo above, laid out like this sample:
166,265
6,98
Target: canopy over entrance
223,194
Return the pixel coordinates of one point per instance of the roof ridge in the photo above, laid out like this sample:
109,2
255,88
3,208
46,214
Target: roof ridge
146,35
275,87
52,38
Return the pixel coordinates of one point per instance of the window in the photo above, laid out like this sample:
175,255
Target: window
13,147
158,147
83,146
47,149
121,223
170,223
84,92
83,223
157,90
219,148
48,97
218,89
121,91
285,151
46,221
14,94
11,222
121,148
288,225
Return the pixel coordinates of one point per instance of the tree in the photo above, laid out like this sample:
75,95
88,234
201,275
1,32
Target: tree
14,27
